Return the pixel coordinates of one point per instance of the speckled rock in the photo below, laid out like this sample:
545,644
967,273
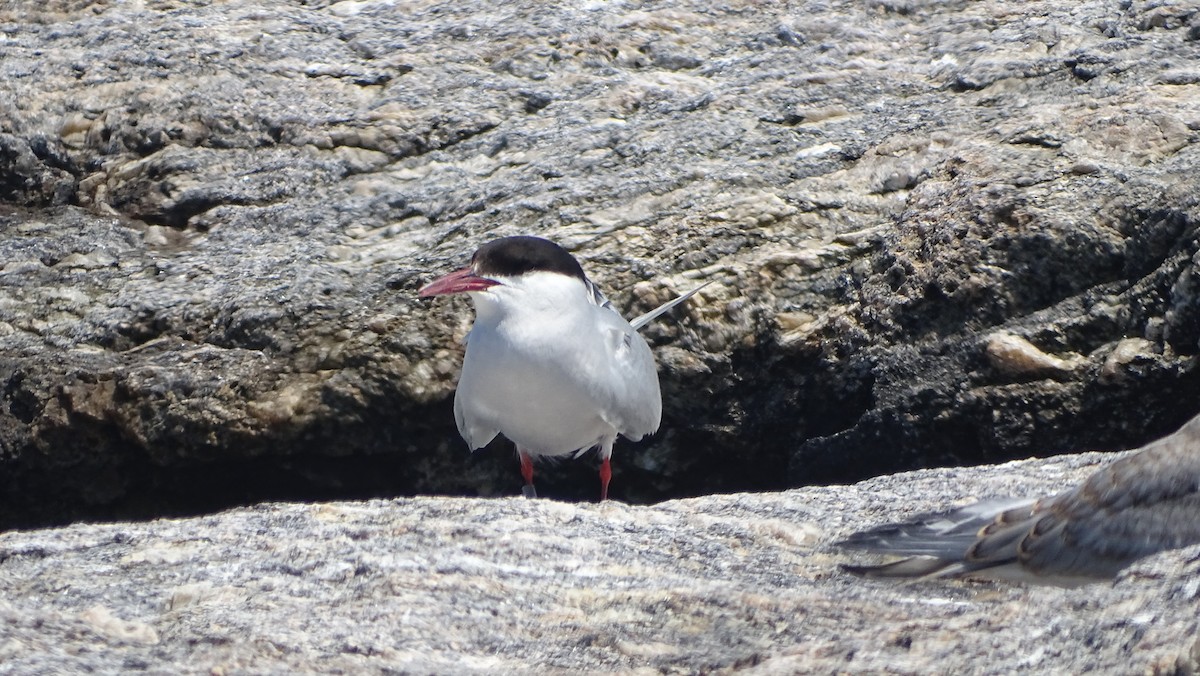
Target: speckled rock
214,217
718,584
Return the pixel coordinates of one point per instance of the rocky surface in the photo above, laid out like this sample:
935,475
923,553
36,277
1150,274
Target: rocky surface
717,584
938,232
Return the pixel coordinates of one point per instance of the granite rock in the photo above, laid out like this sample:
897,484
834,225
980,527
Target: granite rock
718,584
214,218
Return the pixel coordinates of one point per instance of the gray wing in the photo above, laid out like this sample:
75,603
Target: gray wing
650,316
474,430
937,543
600,300
1136,506
629,398
597,296
631,401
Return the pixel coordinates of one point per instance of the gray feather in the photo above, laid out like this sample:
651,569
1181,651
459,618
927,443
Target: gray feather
1139,505
650,316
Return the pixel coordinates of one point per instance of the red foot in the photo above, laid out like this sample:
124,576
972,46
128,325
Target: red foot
526,467
605,476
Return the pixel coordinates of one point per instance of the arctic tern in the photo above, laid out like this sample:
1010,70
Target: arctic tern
549,364
1136,506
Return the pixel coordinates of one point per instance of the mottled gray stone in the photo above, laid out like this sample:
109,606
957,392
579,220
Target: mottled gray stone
744,582
214,218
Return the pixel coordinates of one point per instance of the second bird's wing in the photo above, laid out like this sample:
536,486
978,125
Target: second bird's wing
1139,505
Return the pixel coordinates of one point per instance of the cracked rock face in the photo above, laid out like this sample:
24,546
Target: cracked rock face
213,220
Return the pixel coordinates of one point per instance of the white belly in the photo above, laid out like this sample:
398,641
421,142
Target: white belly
534,397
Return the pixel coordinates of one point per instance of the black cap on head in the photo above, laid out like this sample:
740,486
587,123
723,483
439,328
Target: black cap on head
515,256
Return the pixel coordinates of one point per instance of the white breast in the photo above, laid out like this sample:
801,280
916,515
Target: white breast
552,371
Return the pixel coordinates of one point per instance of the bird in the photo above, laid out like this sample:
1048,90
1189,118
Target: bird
549,362
1138,505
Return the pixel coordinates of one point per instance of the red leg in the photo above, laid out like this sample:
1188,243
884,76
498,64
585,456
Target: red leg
527,472
605,476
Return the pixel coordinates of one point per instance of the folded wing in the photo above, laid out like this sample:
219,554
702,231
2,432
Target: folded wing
1139,505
